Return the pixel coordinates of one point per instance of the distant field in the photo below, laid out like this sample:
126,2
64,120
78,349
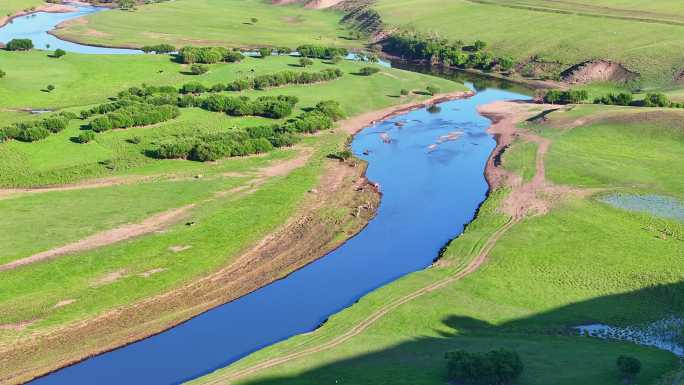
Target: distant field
211,22
9,7
584,262
654,50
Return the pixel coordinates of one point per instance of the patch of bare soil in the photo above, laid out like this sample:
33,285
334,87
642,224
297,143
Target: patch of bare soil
109,278
149,273
17,327
598,71
154,223
322,4
63,303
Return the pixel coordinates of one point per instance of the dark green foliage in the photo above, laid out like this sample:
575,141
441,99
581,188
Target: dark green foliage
54,124
2,74
33,134
159,48
628,366
321,52
305,62
265,52
416,46
404,92
193,88
331,108
233,57
341,155
19,45
207,55
173,148
367,71
566,97
497,367
58,53
275,107
135,114
199,69
432,90
656,100
36,130
621,99
85,137
50,88
283,51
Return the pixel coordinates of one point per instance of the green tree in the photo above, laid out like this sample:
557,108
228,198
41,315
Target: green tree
264,52
404,92
368,71
2,74
50,88
59,53
629,367
479,45
126,4
305,61
254,20
199,69
19,45
432,90
505,63
493,368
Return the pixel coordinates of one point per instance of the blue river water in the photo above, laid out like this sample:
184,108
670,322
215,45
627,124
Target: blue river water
35,26
430,169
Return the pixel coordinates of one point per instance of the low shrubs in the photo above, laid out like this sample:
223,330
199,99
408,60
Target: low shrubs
265,81
303,62
208,55
275,107
19,45
137,114
85,137
650,100
36,130
621,99
321,52
432,90
2,74
265,52
566,97
368,71
199,69
58,53
498,367
159,48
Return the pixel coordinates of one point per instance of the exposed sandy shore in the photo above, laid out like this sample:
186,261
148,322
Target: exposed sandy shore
50,8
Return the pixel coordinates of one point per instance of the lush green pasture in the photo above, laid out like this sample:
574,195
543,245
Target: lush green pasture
654,50
58,160
520,159
584,262
211,22
10,7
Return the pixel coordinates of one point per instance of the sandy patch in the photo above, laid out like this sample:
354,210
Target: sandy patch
178,249
152,272
63,303
322,4
109,278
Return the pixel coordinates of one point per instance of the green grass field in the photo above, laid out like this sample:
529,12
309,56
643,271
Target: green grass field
10,7
584,262
653,50
212,22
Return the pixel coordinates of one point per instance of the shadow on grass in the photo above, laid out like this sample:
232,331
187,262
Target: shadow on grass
551,350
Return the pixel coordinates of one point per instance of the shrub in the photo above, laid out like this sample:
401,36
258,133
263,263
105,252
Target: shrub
432,90
85,137
54,124
233,57
628,366
505,63
479,45
496,367
50,88
565,97
33,134
174,148
58,53
331,109
159,48
621,99
656,100
320,52
265,52
19,45
203,55
336,59
199,69
305,62
367,71
2,74
192,88
101,123
404,92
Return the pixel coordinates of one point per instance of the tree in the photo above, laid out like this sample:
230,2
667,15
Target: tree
264,52
59,53
126,4
2,74
19,45
432,90
404,92
479,45
494,368
656,100
505,63
85,137
199,69
368,71
629,367
254,20
50,88
305,62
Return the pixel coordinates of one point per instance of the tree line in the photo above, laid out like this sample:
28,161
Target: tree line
37,130
435,50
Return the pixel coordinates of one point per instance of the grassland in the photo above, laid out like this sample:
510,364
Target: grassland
10,7
583,262
211,22
653,50
92,282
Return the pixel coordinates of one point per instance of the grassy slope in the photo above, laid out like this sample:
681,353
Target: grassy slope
211,22
654,50
584,262
241,219
520,159
10,7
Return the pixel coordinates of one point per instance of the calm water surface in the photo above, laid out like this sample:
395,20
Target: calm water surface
431,175
36,26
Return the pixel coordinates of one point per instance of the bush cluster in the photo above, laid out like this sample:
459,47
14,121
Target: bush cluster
265,81
566,97
626,99
621,99
37,130
208,55
417,46
159,48
496,367
134,114
19,45
274,107
368,71
321,52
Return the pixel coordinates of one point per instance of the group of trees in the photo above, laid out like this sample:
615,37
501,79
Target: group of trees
274,107
208,55
498,367
251,140
159,48
435,50
134,114
624,99
321,52
368,71
36,130
265,81
566,97
19,45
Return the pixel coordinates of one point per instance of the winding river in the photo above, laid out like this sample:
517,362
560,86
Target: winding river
429,164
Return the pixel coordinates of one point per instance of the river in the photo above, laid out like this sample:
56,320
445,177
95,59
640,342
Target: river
429,164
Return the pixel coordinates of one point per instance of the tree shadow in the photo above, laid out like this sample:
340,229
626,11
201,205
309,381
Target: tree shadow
551,349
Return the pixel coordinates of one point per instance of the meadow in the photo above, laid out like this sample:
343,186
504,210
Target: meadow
584,262
10,7
211,22
651,49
